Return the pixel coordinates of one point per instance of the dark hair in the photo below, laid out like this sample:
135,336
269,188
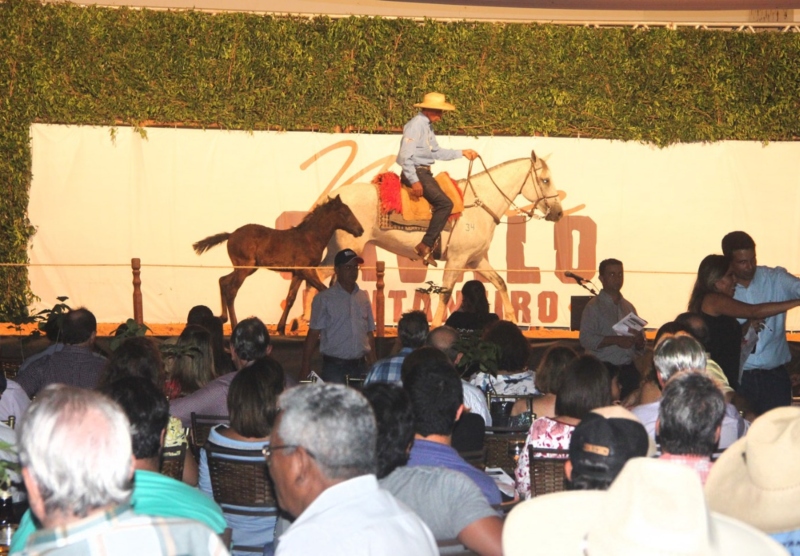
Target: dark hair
606,263
250,339
78,326
436,394
147,409
585,385
554,360
395,419
692,407
412,329
137,356
222,361
253,397
670,327
735,241
197,314
420,357
195,366
473,297
694,324
711,269
514,347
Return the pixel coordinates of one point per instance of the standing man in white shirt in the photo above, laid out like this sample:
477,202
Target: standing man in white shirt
342,321
418,152
765,380
597,335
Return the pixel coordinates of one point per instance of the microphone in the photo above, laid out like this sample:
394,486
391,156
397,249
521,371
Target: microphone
575,277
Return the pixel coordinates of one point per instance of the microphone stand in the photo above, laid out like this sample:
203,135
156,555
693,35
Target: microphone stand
584,286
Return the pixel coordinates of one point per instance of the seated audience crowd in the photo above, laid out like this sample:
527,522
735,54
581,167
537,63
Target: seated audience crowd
678,453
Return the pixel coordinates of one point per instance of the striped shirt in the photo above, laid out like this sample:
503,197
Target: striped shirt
121,532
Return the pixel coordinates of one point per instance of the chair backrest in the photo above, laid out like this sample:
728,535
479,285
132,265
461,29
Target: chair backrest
201,426
546,470
500,406
172,460
503,447
241,478
11,421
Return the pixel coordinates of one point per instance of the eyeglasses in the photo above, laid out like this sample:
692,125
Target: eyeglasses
268,450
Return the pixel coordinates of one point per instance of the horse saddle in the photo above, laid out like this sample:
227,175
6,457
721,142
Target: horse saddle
399,209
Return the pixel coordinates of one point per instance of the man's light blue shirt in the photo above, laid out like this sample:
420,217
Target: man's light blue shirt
770,284
420,148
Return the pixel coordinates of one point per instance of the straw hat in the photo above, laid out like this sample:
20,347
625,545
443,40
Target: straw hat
435,101
757,479
653,508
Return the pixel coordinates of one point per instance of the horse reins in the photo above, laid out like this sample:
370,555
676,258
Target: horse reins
532,173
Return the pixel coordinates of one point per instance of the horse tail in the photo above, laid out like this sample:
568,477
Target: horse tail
205,244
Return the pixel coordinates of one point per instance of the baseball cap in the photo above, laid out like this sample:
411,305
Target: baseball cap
346,256
600,446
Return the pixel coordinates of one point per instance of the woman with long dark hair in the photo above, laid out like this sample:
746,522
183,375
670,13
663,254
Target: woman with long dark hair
712,297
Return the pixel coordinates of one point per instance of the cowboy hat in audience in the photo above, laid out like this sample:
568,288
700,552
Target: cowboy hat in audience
756,479
653,507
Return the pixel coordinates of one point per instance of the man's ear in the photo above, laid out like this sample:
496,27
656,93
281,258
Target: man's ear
568,470
163,436
458,359
658,426
718,433
459,412
35,500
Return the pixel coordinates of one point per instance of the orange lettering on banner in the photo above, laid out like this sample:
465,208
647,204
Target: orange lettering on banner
521,302
518,273
411,272
498,305
398,296
565,249
422,302
453,304
382,164
548,307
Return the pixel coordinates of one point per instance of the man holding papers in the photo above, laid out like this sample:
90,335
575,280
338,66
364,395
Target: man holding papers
610,328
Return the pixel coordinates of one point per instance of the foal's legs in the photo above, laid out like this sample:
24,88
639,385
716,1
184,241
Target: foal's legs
290,297
229,286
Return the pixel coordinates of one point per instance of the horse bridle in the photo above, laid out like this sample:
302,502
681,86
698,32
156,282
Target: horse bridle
533,174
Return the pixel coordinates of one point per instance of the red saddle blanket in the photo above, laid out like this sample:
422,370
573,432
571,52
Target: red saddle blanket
395,197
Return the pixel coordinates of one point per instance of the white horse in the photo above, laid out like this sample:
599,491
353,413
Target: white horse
487,197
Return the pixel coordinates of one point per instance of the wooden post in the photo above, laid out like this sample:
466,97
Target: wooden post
138,316
380,300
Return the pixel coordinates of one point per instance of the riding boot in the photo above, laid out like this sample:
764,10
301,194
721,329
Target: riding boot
426,253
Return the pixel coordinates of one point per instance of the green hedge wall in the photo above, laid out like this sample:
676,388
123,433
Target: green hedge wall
60,63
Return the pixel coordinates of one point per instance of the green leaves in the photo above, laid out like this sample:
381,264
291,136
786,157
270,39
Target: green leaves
62,63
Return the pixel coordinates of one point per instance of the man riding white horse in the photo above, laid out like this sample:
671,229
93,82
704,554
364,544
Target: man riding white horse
418,152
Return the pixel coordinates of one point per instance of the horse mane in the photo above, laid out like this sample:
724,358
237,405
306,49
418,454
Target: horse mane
311,214
506,163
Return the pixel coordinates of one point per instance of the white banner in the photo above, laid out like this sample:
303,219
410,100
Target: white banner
100,197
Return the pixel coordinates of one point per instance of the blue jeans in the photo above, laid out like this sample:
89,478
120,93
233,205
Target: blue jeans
441,204
766,389
335,369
